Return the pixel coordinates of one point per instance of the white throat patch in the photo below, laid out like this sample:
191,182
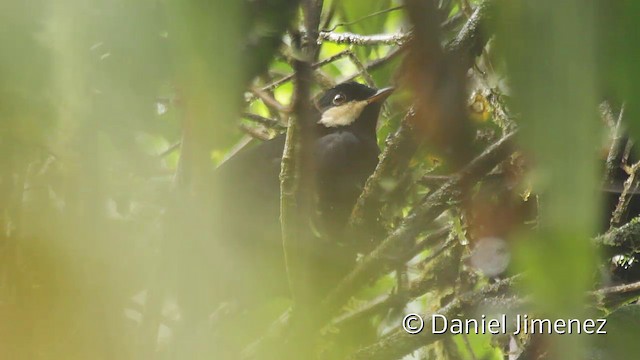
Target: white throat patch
342,115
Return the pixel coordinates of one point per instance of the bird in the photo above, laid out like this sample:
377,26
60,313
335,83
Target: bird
345,151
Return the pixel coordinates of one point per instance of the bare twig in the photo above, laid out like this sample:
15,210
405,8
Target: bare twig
316,65
373,65
362,69
241,144
173,147
269,101
385,11
255,132
368,67
270,123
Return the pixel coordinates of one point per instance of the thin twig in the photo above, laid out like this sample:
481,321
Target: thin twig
235,149
375,64
363,18
269,100
362,69
316,65
270,123
173,147
255,132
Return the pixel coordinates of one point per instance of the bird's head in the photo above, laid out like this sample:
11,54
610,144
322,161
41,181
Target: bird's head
351,103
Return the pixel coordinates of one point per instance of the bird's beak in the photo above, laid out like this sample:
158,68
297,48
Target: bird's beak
381,95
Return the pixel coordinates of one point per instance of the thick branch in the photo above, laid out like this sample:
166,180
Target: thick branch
624,239
471,40
298,171
297,191
355,39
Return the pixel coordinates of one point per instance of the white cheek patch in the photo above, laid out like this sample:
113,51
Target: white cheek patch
342,115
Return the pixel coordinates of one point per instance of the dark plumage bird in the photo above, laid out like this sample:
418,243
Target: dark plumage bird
345,152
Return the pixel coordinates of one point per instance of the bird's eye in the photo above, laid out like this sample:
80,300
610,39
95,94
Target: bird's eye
339,99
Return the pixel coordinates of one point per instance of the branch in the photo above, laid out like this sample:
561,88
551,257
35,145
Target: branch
614,157
613,297
259,133
364,18
297,173
316,65
415,289
394,160
297,192
471,40
355,39
269,101
382,257
270,123
399,343
624,239
630,188
619,289
375,64
402,38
